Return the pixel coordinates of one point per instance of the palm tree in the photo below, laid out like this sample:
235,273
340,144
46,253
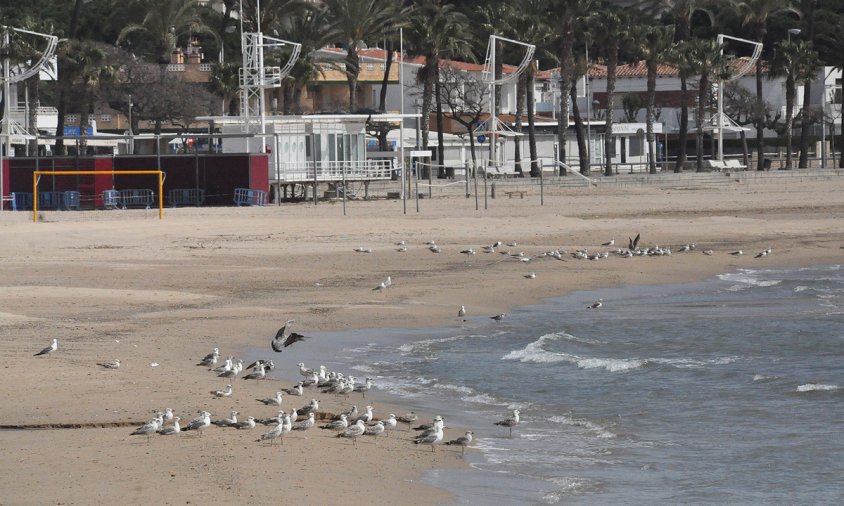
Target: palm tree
436,30
610,28
563,15
164,23
654,43
831,48
703,58
755,15
357,21
681,12
312,29
85,63
225,83
797,62
531,23
807,10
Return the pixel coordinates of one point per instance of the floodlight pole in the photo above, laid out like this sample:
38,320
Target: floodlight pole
720,40
492,116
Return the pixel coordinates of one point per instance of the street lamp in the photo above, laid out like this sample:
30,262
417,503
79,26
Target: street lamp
793,31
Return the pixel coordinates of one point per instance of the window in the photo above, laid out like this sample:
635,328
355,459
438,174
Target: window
635,146
370,67
382,67
836,95
105,118
72,118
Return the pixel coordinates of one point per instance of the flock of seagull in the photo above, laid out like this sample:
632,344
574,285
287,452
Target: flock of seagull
352,424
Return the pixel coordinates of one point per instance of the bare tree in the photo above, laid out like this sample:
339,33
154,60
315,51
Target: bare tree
465,96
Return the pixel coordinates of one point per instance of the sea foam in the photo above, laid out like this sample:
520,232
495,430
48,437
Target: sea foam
816,387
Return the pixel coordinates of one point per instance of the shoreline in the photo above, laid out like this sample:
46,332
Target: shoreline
166,293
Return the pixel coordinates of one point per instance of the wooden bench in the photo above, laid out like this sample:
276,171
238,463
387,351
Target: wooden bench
510,194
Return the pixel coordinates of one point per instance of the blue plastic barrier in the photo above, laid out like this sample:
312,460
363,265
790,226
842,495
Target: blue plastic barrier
250,197
136,198
21,201
186,196
71,200
111,199
50,200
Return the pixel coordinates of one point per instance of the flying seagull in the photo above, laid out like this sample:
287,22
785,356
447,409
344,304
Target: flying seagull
633,242
49,349
283,339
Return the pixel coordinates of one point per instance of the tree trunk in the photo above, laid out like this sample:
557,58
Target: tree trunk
385,81
520,100
809,16
790,92
33,105
744,150
582,152
701,104
565,57
760,122
649,134
287,92
534,162
683,134
427,95
841,155
612,65
440,126
352,72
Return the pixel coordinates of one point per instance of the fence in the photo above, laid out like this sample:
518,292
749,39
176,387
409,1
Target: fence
250,197
297,172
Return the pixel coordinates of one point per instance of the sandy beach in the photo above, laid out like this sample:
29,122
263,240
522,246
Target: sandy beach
124,284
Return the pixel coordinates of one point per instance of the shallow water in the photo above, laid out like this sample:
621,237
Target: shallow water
726,391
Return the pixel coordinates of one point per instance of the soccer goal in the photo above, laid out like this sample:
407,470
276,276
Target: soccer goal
36,176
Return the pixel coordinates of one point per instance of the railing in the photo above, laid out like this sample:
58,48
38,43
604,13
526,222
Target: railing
335,170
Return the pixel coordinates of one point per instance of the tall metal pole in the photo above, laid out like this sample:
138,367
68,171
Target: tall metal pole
401,130
588,108
721,107
492,117
6,144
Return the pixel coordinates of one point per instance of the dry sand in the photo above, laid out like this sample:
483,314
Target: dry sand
122,284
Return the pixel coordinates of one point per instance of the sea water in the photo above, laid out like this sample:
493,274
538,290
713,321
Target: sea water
725,391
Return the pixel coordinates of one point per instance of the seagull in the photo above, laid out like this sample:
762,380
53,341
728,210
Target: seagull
227,366
258,374
363,250
272,401
309,408
297,390
608,243
364,388
354,431
227,422
283,427
351,414
434,248
374,430
283,339
366,417
530,275
381,286
304,371
273,419
211,358
510,422
173,429
49,349
233,372
498,317
432,439
595,305
429,428
408,417
707,252
226,392
390,423
468,252
461,312
401,243
200,423
305,424
168,414
402,248
114,364
512,244
248,424
268,364
633,243
737,253
147,429
340,424
463,441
